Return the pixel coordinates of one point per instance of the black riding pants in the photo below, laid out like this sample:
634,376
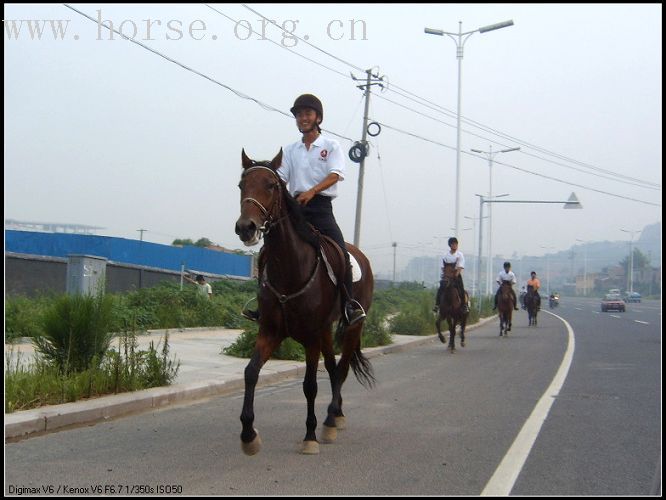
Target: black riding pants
319,213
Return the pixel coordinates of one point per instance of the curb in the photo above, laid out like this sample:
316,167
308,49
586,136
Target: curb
30,423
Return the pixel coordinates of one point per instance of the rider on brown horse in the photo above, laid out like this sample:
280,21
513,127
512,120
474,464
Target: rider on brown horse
506,275
454,256
535,284
311,168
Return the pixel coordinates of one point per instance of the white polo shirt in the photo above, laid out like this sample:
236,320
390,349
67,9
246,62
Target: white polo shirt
504,276
301,169
455,258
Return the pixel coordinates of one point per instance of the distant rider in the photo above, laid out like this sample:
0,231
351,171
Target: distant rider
506,275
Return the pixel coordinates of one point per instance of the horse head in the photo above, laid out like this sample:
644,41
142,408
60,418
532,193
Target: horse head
261,193
449,274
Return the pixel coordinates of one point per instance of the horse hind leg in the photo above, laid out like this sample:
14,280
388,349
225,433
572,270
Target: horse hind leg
335,418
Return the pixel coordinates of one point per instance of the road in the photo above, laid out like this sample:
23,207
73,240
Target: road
435,424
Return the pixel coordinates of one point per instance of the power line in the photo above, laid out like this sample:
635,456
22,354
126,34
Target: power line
436,107
240,94
416,136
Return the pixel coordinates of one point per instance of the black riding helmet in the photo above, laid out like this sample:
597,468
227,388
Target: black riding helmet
308,101
507,264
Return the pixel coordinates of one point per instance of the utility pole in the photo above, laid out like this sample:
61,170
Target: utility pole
369,81
394,247
141,231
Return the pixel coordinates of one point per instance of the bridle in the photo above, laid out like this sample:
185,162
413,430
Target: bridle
269,218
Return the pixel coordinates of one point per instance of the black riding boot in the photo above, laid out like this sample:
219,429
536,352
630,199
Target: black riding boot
463,296
353,310
495,306
515,300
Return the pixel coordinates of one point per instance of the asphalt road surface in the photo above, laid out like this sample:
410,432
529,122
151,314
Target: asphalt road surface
435,424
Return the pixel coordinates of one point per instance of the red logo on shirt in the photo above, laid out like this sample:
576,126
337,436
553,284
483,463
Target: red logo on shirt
323,153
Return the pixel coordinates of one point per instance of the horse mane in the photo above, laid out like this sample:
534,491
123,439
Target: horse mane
303,228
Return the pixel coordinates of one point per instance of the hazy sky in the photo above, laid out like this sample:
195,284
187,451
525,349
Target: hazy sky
103,132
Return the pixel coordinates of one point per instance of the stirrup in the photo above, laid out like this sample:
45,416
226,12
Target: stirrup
354,312
248,313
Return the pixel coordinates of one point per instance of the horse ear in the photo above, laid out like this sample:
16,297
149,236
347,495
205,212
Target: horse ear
247,163
277,161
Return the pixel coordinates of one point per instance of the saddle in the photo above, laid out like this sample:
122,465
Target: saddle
331,252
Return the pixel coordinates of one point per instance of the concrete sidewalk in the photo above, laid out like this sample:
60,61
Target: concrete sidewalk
204,372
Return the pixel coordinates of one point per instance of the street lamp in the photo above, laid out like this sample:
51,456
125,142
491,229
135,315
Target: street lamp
482,200
460,44
584,269
631,252
478,262
490,155
548,270
572,202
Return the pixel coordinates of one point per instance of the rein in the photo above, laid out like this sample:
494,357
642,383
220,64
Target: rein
269,222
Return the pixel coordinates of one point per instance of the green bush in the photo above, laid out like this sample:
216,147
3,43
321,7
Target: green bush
23,316
127,369
76,328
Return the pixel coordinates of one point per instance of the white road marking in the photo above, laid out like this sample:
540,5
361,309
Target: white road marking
641,322
507,472
614,316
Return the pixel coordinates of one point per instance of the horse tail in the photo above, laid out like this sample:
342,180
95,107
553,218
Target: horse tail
359,363
362,369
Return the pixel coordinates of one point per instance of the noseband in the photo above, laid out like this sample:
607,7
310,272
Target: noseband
267,213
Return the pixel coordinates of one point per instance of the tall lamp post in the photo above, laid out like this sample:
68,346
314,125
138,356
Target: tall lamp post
572,202
460,44
584,268
482,200
548,270
490,154
631,258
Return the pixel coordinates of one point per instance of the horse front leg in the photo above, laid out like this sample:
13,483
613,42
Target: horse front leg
463,323
250,440
438,325
452,334
310,444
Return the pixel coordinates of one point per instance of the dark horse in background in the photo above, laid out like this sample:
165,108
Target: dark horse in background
505,307
532,304
451,308
298,298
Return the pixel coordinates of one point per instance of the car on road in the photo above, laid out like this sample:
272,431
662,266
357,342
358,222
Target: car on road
613,302
632,297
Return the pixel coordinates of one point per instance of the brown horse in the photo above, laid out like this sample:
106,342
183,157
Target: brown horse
451,308
532,305
505,305
297,298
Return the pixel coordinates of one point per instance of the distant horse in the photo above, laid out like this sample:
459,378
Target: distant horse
532,305
451,308
298,298
505,305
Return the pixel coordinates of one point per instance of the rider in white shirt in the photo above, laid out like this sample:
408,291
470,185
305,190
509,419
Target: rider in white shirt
506,275
454,256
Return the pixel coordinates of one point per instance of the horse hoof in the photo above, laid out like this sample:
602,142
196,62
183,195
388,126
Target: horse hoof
462,343
253,447
341,422
310,448
329,434
442,338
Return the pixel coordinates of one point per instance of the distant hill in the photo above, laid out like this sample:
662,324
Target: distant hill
563,266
